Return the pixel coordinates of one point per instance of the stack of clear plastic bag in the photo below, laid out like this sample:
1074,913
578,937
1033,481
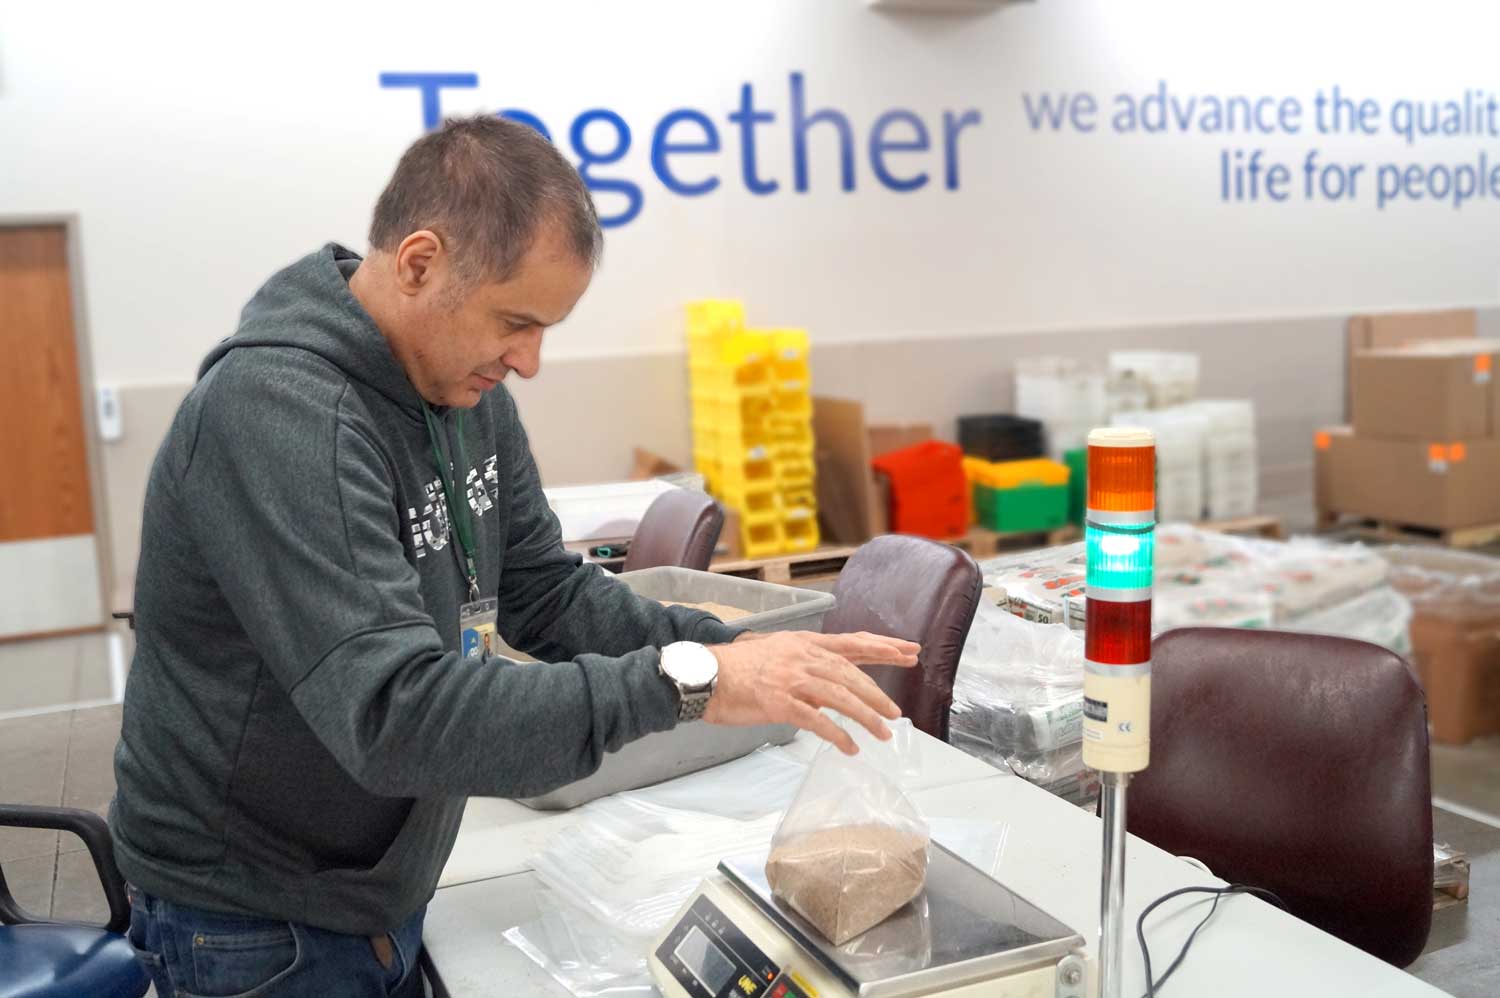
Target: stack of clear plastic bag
1018,697
852,849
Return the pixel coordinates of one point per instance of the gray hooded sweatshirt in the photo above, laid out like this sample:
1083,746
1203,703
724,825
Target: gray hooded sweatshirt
300,729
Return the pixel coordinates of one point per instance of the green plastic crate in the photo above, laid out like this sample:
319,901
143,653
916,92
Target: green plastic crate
1025,509
1077,461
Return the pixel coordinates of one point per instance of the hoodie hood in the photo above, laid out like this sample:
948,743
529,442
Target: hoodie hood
309,306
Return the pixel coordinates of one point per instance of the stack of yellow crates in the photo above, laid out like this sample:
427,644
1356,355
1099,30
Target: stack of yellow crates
752,426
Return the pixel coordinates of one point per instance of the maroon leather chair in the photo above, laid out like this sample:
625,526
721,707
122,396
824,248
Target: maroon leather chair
681,528
920,590
1298,763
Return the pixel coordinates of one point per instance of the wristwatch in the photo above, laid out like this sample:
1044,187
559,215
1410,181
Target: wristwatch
694,671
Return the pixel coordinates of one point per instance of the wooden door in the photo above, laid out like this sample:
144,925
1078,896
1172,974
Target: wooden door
49,554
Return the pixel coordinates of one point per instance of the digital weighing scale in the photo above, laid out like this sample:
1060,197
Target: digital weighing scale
965,936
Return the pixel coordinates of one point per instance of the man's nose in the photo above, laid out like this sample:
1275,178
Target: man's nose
525,356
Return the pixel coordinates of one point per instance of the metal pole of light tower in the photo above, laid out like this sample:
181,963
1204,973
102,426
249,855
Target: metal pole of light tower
1119,534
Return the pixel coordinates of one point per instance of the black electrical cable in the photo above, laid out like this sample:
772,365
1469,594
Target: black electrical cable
1219,894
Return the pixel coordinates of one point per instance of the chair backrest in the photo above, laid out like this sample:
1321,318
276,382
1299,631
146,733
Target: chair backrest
680,528
920,590
1295,762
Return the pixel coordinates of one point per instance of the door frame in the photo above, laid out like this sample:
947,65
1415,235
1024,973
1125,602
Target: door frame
71,225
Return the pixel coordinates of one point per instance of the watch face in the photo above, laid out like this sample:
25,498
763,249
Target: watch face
690,664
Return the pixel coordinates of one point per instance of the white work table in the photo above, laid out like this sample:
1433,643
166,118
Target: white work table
1050,855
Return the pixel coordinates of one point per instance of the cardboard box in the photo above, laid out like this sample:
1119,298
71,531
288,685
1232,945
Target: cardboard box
1438,485
1379,332
1425,393
1459,666
854,502
886,437
1455,631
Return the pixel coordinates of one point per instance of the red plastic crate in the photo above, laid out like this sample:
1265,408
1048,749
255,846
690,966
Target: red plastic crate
929,493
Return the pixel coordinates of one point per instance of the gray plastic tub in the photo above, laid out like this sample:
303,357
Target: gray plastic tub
772,607
691,747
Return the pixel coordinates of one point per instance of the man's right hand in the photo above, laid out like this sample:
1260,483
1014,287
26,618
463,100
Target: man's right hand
787,677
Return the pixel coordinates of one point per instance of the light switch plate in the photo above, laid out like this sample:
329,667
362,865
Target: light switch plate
111,420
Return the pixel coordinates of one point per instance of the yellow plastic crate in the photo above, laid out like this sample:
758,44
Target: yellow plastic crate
710,321
722,379
788,432
726,409
731,347
1013,474
762,539
794,474
791,405
731,476
791,346
801,533
796,497
747,440
753,501
789,358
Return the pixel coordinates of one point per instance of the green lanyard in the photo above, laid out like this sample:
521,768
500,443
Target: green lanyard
458,505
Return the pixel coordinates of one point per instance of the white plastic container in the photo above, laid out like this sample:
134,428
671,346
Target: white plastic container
1065,394
1156,378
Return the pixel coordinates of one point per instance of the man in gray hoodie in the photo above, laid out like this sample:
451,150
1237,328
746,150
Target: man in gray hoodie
345,493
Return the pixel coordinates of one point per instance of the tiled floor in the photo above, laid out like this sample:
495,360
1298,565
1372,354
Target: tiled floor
1468,775
86,669
59,758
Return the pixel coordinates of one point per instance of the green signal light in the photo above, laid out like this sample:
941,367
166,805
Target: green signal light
1120,556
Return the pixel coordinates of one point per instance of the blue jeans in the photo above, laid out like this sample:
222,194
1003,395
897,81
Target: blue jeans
192,953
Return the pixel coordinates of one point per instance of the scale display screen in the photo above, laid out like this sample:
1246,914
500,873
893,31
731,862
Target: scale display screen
706,961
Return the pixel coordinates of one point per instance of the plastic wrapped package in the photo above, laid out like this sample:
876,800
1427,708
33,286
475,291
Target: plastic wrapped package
1381,616
1452,585
852,849
1044,586
1299,576
1210,607
1018,696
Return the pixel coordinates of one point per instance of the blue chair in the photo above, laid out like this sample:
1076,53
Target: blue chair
44,959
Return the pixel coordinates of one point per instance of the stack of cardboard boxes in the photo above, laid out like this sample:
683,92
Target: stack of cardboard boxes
1423,445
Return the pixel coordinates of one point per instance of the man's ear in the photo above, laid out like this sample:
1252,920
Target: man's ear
421,260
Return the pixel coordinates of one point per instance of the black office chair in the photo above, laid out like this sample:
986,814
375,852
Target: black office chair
680,528
1295,762
919,590
40,958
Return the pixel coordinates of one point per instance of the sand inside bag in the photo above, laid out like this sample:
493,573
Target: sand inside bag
848,879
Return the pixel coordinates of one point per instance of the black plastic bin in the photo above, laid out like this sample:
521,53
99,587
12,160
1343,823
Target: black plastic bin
1000,437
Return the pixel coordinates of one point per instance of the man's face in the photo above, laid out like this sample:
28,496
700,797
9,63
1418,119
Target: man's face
461,342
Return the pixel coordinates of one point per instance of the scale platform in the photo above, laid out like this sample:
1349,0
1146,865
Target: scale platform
966,934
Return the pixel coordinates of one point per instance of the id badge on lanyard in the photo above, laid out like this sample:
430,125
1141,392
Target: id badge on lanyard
476,628
476,618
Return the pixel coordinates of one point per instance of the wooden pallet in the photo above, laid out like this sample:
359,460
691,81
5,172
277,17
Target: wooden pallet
982,543
784,569
1386,531
1269,527
825,563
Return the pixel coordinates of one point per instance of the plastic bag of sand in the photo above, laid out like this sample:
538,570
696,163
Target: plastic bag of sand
852,850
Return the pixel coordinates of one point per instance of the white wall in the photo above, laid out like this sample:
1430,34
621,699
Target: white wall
202,151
